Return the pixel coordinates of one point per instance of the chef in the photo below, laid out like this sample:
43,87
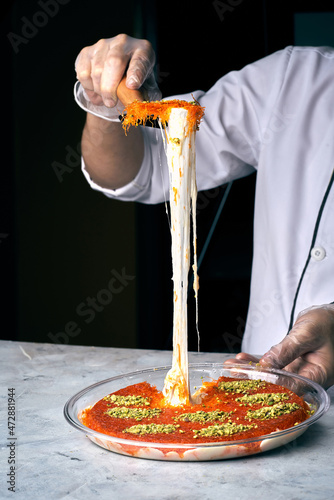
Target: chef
275,117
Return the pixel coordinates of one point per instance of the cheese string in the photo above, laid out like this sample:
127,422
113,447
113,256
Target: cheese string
193,195
195,264
180,151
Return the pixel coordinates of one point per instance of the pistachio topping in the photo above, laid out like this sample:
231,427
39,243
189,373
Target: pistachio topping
142,429
175,140
221,430
136,413
274,411
269,398
127,400
203,416
241,386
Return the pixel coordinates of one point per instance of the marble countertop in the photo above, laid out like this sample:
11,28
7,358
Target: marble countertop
55,461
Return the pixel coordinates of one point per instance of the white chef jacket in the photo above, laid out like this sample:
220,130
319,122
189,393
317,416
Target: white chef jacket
275,116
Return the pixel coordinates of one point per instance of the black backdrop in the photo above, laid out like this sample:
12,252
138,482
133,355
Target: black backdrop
60,241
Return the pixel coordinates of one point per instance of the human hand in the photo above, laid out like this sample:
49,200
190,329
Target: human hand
308,350
101,67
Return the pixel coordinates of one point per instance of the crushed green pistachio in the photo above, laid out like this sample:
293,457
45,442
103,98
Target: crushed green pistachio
175,140
136,413
221,430
269,398
142,429
241,386
127,400
203,416
272,411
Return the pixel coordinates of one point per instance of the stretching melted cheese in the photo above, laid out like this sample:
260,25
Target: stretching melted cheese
180,150
179,141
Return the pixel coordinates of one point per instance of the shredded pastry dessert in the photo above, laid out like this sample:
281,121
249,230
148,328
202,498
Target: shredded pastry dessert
230,409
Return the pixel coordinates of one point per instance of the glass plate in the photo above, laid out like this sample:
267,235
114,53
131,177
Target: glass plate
313,394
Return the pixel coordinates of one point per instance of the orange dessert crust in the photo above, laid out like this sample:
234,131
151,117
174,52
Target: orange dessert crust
214,399
141,112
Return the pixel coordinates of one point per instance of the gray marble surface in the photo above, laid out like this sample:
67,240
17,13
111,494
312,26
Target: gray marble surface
55,461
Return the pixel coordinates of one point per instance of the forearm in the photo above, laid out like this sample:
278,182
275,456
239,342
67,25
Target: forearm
112,158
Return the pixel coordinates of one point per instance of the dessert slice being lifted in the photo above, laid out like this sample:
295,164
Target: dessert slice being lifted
179,120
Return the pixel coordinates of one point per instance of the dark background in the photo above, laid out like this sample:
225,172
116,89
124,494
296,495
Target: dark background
60,241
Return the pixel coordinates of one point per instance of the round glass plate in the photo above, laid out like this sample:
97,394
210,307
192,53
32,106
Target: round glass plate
313,394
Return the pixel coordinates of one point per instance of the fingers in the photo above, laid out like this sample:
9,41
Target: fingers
308,349
282,354
107,68
83,69
141,65
115,60
312,371
242,358
101,67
